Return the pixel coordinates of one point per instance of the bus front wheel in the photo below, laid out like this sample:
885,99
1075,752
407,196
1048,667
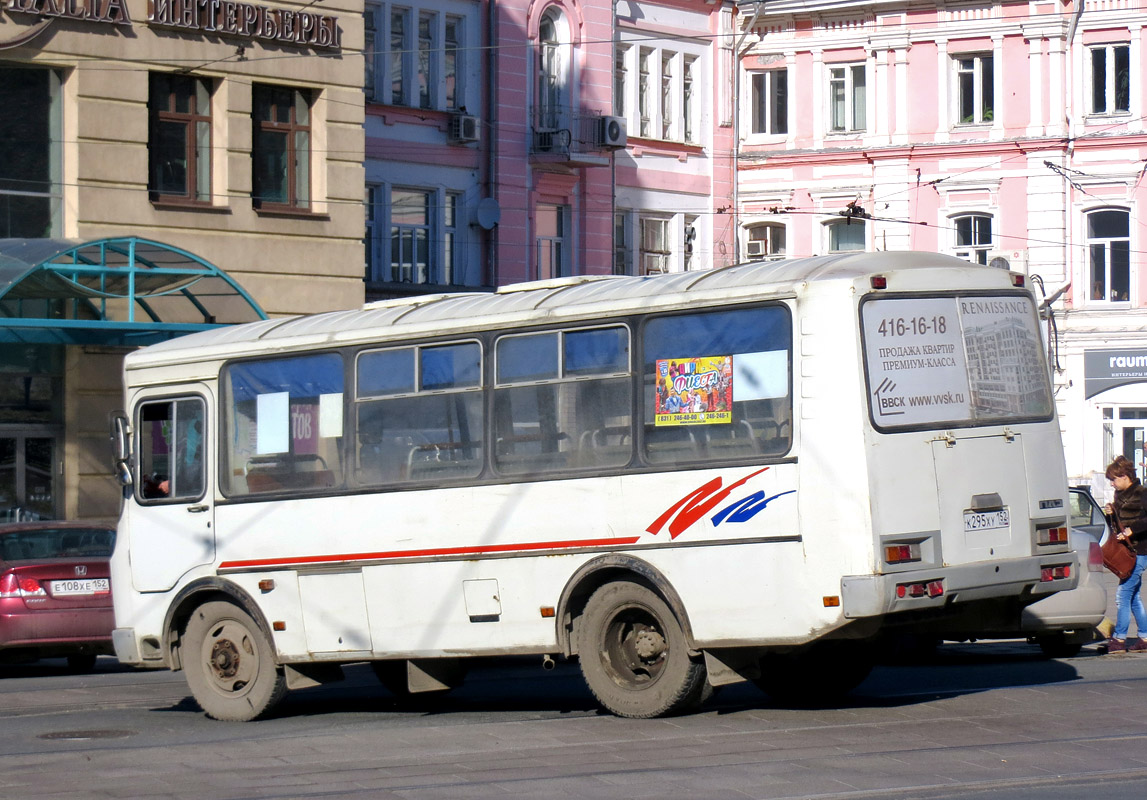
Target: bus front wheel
230,665
634,656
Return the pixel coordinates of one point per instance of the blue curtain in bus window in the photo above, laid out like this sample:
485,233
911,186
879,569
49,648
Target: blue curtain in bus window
454,366
760,422
284,424
386,372
595,352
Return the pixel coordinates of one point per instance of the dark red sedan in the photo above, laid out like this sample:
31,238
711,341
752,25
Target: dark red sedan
55,592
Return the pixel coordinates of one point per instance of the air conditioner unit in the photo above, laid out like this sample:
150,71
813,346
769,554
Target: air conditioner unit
611,132
1011,260
755,248
464,128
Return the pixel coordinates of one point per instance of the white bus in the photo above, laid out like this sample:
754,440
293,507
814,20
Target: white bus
682,481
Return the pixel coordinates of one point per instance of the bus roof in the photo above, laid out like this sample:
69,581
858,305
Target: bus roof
534,301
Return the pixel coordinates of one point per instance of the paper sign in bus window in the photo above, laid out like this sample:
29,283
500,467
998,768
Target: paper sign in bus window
330,415
694,391
274,423
760,376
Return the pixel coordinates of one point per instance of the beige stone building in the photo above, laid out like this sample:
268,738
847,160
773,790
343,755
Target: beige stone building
165,166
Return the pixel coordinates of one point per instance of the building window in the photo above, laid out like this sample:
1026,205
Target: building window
452,59
667,94
179,138
423,65
622,264
410,235
1110,79
553,70
973,237
846,235
1109,255
620,78
847,98
645,90
974,90
770,102
413,237
766,241
552,252
654,245
281,150
30,173
689,81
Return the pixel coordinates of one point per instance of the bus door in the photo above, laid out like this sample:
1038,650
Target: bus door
982,483
172,528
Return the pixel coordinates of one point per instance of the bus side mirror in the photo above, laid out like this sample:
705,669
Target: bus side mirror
121,445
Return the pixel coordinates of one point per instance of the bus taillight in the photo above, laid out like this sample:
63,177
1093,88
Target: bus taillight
920,589
1052,536
1055,573
900,553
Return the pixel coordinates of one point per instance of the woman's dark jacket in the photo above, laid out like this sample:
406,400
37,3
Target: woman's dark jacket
1130,507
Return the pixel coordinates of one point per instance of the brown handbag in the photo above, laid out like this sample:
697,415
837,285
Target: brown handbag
1118,557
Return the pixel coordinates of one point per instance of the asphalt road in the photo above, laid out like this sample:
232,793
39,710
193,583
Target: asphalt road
975,721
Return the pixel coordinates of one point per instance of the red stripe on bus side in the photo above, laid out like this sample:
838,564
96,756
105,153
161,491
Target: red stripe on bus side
441,551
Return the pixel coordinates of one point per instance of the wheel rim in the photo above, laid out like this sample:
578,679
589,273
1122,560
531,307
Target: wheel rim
635,649
230,657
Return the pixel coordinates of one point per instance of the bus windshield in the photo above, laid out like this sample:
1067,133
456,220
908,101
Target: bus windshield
957,361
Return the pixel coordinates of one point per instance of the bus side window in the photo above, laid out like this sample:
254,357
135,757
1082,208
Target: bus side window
681,346
170,448
283,424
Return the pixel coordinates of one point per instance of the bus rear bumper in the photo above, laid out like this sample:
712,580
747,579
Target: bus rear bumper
915,590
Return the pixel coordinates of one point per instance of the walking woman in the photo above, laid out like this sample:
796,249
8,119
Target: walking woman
1130,511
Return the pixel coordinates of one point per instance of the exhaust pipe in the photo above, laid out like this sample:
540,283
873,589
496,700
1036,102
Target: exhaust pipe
548,662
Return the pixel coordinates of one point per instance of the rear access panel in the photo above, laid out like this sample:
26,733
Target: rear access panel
983,494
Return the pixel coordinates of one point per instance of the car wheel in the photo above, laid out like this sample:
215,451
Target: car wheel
230,664
634,656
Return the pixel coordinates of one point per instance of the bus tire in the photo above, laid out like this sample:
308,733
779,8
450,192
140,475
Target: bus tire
230,664
634,656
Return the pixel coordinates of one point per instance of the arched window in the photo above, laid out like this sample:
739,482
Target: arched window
1109,255
973,237
553,70
766,241
846,235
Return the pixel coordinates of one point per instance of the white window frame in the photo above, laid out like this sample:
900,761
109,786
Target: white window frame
1106,244
1110,92
658,90
553,82
979,68
774,247
768,104
654,246
445,245
552,252
976,250
420,62
855,108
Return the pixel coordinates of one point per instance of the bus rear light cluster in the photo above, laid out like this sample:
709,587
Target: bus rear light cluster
1017,279
879,282
1055,573
900,553
920,589
1052,536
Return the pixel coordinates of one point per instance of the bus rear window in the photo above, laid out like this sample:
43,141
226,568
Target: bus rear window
960,361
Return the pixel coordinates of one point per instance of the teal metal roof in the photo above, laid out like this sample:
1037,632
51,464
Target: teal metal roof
118,291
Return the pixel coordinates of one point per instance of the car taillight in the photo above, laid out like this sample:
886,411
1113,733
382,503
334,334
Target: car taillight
1094,557
13,585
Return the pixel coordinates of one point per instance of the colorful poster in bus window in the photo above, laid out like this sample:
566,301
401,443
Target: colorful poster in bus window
694,391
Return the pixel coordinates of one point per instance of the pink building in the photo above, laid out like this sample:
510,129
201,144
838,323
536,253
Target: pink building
494,151
990,130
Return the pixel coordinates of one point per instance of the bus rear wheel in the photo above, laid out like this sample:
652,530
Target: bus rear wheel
230,665
634,656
